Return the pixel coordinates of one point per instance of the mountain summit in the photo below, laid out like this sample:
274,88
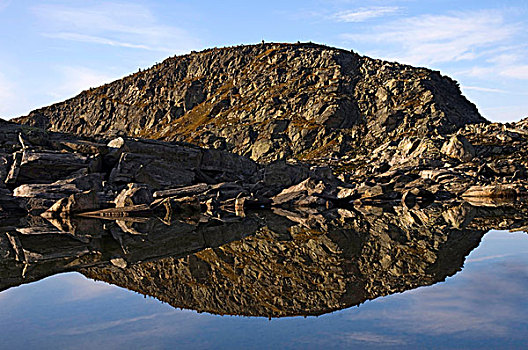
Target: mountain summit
268,102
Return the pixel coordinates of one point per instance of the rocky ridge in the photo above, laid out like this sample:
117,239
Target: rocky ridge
269,102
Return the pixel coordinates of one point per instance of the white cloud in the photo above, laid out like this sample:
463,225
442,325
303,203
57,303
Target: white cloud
508,65
484,89
516,71
430,39
98,327
116,24
364,13
96,40
372,338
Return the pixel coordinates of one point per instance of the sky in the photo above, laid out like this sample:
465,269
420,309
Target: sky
52,50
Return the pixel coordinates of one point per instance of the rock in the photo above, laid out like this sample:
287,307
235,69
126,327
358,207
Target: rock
459,217
416,196
46,191
76,203
119,262
3,169
458,147
134,194
42,167
310,186
192,190
261,148
327,102
225,162
12,175
61,188
505,192
307,193
345,192
151,170
283,175
371,191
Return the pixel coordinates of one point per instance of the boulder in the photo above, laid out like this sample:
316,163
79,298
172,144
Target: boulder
458,147
305,194
74,204
45,167
151,170
134,194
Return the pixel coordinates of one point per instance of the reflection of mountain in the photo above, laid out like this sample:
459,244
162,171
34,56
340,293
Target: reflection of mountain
265,264
38,250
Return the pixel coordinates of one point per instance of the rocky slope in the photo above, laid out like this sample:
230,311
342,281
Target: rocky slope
268,102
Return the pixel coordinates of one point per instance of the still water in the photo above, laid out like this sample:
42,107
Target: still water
444,306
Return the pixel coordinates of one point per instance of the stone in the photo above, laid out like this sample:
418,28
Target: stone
134,194
42,167
261,148
119,262
74,204
151,170
328,101
192,190
45,191
459,217
345,192
493,191
458,147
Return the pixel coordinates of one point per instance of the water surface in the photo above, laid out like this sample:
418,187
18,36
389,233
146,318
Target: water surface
482,305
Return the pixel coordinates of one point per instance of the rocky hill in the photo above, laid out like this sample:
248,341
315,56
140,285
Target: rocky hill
268,102
352,129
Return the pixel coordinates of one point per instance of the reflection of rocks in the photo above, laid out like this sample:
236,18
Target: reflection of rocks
313,264
40,248
289,263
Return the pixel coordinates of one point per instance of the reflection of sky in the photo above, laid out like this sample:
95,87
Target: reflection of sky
484,306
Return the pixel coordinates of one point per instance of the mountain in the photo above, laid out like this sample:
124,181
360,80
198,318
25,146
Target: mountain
268,102
273,125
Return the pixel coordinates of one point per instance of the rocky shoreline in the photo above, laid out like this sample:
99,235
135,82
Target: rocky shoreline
56,174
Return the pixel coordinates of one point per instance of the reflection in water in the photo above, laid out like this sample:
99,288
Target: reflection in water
263,264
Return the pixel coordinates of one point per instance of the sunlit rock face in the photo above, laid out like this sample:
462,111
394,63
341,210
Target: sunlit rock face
268,102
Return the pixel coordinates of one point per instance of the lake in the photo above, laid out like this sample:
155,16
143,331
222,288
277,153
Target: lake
343,280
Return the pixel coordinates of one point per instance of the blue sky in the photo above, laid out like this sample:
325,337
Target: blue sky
52,50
